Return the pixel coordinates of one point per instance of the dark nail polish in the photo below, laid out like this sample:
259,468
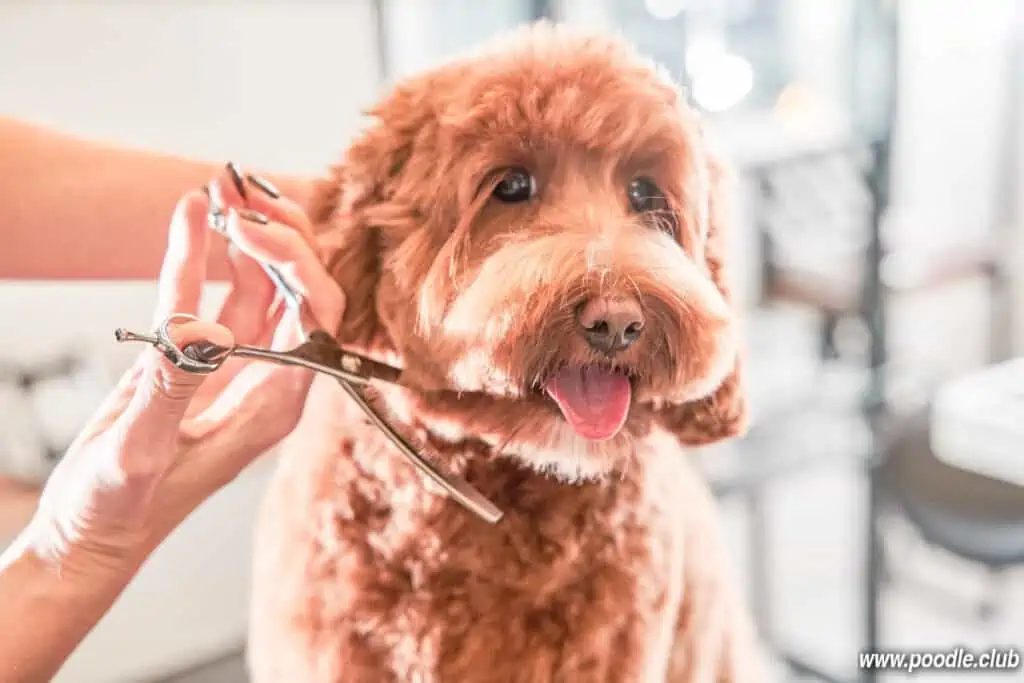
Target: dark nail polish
206,191
236,178
254,216
265,185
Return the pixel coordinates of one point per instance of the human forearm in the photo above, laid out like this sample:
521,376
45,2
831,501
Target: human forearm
45,612
77,209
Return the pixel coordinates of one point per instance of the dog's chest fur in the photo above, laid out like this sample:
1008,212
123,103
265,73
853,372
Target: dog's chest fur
365,575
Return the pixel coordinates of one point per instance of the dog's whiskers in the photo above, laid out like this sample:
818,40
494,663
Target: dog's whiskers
666,220
571,295
630,457
631,281
602,282
503,444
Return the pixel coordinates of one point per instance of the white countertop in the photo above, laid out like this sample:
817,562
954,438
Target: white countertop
978,422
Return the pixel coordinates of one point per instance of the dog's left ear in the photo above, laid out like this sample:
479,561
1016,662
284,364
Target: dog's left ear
722,414
374,193
350,248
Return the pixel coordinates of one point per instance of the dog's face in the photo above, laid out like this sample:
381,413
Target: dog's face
535,236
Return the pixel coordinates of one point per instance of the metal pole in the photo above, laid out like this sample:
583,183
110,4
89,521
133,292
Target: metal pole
543,9
879,186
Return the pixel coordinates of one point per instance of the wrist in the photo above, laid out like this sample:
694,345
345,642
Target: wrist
83,564
46,611
46,580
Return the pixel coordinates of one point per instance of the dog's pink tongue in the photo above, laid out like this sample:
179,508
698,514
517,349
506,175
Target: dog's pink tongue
594,401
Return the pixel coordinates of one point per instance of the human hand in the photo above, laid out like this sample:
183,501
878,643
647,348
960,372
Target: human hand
165,440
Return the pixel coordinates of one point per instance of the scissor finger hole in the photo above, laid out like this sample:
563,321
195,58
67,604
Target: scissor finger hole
187,358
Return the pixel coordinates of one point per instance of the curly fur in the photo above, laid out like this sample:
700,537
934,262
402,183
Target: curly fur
607,565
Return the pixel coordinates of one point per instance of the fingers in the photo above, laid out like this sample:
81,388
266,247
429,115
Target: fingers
275,230
247,312
286,250
184,267
249,301
162,396
261,407
260,400
258,408
236,189
267,320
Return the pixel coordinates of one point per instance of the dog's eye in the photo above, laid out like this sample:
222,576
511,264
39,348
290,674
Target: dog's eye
516,186
645,196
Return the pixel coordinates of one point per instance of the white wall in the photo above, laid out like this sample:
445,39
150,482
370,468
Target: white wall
953,100
274,84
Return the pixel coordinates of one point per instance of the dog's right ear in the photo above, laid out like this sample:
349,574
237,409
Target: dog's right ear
361,201
724,413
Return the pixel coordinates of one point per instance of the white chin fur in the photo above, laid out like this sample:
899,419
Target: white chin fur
555,450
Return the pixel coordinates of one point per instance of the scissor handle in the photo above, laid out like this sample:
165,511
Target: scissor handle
200,357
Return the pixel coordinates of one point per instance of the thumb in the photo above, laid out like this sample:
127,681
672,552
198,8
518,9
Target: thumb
164,391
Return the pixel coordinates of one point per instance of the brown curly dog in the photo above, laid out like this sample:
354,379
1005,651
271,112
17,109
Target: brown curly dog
535,235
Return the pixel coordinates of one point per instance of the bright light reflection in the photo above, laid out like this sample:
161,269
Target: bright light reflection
664,9
719,80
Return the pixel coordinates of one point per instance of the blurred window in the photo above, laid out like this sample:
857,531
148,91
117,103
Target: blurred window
739,56
729,52
790,57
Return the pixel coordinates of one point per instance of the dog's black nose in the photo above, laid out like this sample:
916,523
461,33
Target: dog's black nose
610,325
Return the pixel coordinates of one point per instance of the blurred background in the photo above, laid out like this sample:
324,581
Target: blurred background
878,502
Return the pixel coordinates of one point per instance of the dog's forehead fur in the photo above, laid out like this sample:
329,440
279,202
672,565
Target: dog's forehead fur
548,91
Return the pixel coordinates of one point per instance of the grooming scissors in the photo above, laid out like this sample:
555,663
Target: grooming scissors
320,352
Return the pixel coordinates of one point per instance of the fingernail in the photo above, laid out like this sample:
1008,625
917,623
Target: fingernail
206,191
254,216
236,178
265,185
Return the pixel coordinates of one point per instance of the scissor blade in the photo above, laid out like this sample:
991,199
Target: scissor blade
321,353
455,487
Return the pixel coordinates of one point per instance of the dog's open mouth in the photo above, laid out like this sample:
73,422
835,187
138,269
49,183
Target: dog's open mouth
593,399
